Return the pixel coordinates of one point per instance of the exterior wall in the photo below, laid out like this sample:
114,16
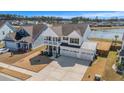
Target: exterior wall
87,32
122,47
11,45
38,42
6,30
49,32
74,34
64,41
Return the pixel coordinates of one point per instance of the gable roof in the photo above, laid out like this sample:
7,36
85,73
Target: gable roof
57,30
2,22
27,33
66,29
35,30
79,28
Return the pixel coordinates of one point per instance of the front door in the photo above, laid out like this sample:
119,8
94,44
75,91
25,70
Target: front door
24,46
50,51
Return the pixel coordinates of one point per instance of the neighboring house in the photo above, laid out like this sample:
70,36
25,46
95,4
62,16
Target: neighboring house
121,52
25,38
68,40
5,28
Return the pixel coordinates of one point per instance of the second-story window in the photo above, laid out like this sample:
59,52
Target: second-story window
54,39
74,40
65,38
59,39
49,38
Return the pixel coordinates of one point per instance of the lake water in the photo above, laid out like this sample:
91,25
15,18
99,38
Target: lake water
107,34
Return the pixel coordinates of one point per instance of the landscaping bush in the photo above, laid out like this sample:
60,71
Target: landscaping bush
120,66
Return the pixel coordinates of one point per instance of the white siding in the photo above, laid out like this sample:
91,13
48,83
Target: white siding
74,34
49,32
38,42
11,45
87,32
6,30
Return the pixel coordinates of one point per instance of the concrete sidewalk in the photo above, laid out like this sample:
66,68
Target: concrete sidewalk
17,69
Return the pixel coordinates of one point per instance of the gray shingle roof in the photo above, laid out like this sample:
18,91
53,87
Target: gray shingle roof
66,29
33,32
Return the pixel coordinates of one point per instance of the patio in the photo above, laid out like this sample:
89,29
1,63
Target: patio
33,62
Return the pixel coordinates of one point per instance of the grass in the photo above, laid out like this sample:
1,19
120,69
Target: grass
35,67
97,67
8,59
110,74
15,74
103,66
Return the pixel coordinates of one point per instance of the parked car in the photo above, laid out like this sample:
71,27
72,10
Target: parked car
3,50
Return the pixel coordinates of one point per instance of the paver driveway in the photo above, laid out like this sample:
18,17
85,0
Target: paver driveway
63,68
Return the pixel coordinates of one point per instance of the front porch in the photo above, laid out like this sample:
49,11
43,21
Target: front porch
52,51
24,46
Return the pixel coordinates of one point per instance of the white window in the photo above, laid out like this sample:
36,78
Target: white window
74,40
65,38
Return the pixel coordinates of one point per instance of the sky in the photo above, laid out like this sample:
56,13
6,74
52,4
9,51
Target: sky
69,14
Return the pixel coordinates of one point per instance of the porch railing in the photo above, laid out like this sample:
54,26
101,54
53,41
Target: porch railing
52,42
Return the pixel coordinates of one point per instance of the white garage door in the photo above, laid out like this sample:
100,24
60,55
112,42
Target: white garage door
83,55
87,56
68,53
11,45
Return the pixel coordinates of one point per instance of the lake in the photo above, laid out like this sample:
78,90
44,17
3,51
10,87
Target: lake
107,34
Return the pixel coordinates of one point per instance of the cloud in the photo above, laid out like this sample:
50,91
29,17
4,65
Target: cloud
94,14
104,14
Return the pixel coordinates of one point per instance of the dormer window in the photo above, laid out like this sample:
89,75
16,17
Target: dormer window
74,40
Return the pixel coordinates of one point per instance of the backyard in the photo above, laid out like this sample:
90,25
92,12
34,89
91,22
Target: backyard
103,67
97,67
110,74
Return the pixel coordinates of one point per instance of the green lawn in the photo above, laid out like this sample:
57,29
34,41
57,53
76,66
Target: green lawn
110,74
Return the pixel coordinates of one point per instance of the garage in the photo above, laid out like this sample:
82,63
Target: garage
87,51
87,56
69,51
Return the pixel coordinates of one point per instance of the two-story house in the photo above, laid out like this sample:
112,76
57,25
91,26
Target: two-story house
68,39
5,28
25,38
